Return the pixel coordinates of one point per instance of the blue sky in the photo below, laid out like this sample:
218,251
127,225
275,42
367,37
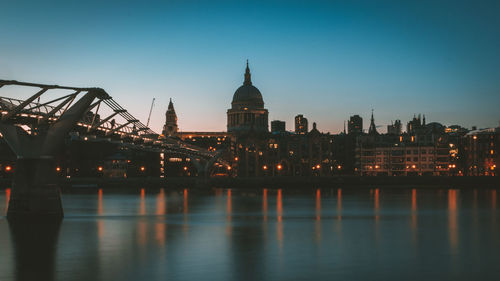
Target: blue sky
324,59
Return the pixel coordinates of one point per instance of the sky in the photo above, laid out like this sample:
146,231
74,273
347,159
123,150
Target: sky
327,60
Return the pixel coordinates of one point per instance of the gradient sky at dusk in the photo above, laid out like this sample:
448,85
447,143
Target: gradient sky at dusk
324,59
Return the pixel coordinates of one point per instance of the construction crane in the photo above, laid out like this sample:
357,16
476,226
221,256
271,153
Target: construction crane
150,110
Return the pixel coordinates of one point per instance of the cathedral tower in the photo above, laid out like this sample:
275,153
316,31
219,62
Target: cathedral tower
170,128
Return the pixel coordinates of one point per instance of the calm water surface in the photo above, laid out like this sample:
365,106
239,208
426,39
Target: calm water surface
270,234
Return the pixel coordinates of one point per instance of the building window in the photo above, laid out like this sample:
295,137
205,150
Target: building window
415,159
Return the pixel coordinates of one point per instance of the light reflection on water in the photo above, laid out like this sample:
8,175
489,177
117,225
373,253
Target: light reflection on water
264,234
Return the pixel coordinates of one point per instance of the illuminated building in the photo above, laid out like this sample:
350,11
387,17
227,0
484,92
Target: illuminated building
301,126
355,125
170,128
247,110
481,152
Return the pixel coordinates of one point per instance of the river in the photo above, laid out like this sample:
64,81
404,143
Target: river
265,234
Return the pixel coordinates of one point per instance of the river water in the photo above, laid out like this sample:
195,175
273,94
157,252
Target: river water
265,234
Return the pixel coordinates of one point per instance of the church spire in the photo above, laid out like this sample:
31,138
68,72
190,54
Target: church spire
373,129
248,76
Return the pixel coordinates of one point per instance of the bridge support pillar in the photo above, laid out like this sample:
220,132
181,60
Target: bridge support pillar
35,192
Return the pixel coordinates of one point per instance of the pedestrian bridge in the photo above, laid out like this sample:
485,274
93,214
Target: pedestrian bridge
35,129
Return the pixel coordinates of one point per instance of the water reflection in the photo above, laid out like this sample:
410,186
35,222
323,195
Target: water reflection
239,234
317,224
160,203
339,203
100,212
7,198
35,243
160,225
452,220
279,217
229,210
338,224
414,215
264,204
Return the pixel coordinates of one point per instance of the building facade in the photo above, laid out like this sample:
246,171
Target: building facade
170,128
301,125
247,110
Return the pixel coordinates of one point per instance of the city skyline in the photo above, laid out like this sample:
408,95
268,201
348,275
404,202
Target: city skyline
324,60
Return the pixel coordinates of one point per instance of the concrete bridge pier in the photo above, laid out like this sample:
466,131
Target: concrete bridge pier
34,190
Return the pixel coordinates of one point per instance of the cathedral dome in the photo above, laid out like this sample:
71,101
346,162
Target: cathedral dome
247,95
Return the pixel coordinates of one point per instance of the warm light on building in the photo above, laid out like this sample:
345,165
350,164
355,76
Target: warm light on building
318,166
143,168
264,167
279,167
185,168
229,168
8,168
99,168
58,169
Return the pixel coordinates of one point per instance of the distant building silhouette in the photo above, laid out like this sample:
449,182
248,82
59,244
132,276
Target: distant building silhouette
415,125
170,128
247,112
355,125
373,129
395,128
301,126
278,126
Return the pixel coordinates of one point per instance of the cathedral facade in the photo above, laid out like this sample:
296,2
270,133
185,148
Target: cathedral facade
247,112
